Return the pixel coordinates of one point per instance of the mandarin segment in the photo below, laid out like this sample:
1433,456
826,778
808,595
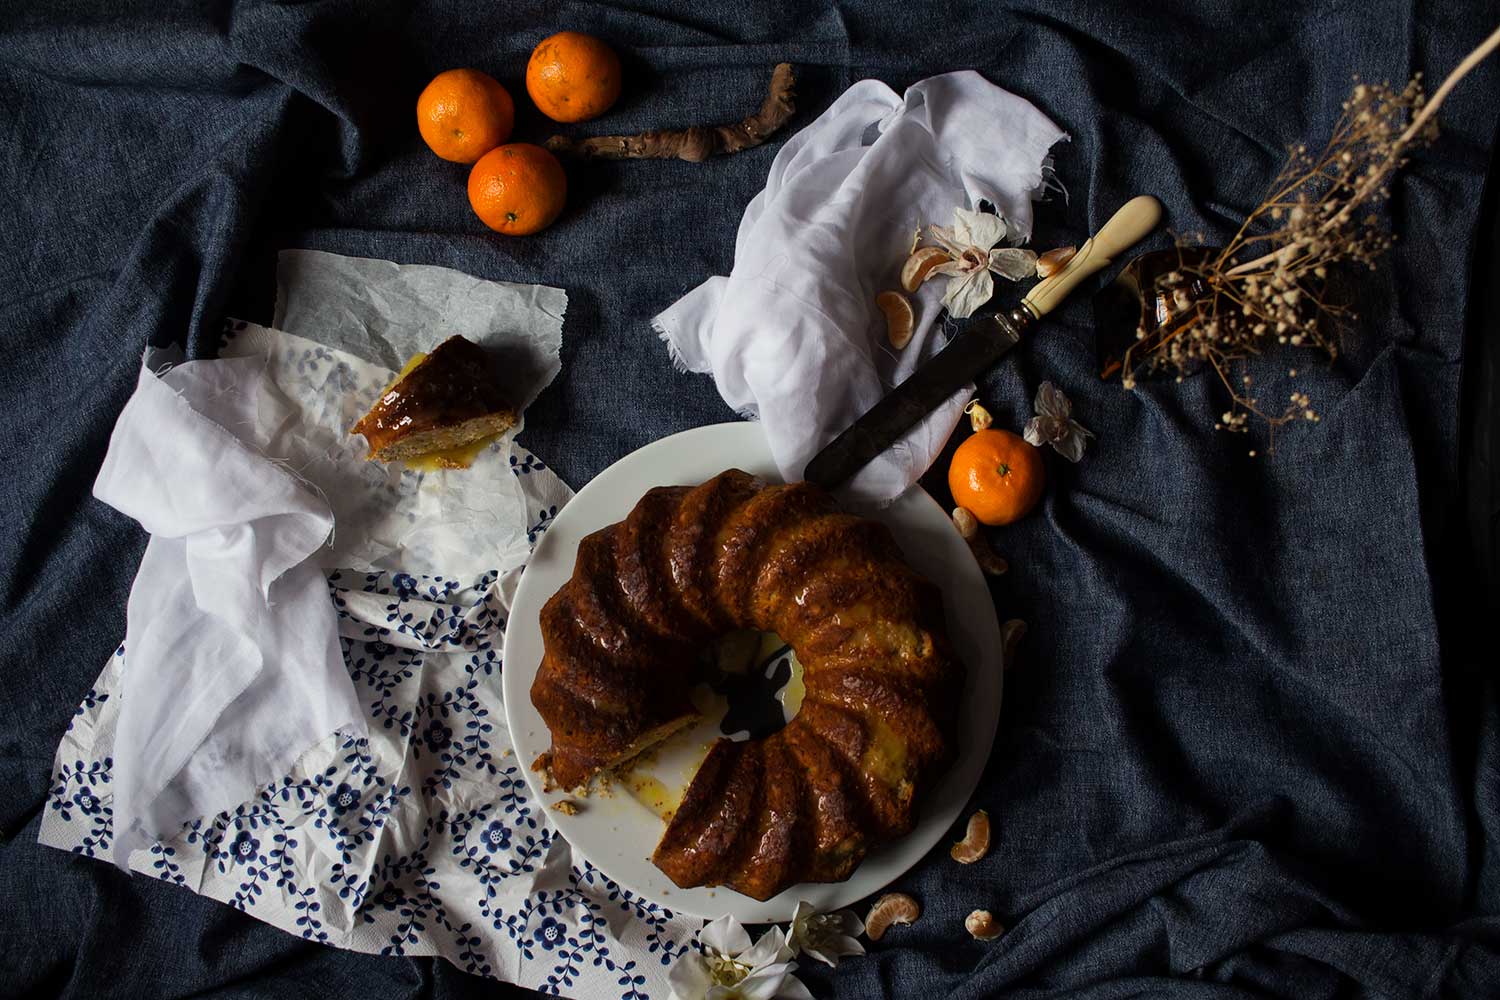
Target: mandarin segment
899,318
918,267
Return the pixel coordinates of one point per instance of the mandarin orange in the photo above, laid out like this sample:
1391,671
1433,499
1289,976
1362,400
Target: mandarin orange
518,189
573,77
997,476
463,114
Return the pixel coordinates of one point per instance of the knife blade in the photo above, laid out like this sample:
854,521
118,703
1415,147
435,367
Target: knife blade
972,351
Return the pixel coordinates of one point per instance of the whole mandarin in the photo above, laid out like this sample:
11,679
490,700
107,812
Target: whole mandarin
518,189
997,476
463,114
573,77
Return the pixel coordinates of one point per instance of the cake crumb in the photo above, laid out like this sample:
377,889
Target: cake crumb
567,807
543,766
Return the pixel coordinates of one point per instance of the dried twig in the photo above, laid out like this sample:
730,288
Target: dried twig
1321,211
699,142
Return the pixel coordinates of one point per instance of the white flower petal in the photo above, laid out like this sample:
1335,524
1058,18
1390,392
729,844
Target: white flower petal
763,983
968,292
690,978
1050,401
1013,263
818,955
946,239
802,932
1053,424
852,925
977,229
792,988
771,947
844,946
1070,447
952,267
725,936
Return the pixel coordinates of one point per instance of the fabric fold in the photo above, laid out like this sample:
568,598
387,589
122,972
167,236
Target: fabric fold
234,667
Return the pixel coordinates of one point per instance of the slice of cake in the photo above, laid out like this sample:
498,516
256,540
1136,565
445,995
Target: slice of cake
441,411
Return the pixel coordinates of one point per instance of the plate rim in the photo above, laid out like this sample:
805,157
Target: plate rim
735,439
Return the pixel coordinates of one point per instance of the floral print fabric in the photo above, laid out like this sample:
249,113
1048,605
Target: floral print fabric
422,839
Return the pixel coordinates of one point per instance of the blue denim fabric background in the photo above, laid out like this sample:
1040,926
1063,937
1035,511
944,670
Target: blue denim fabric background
1247,752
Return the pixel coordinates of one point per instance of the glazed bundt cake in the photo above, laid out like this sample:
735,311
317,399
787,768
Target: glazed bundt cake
622,644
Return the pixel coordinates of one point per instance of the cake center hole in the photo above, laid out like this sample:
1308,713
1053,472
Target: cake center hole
759,677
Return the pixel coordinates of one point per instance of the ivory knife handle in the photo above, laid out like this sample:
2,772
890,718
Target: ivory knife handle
1135,219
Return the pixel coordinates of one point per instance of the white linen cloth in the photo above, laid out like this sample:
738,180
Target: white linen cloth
792,336
244,473
233,638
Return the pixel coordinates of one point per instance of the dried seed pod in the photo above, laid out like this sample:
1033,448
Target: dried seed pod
968,528
979,417
899,319
976,842
1053,261
918,267
892,908
983,925
1011,634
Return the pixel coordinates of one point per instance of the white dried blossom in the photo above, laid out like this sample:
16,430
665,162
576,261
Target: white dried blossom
1054,424
973,252
727,967
826,937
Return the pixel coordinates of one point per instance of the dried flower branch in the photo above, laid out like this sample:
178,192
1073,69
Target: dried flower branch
1218,308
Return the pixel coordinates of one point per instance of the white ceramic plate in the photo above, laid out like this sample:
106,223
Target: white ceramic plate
617,833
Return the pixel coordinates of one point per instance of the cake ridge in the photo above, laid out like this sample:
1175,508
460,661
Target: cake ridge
640,560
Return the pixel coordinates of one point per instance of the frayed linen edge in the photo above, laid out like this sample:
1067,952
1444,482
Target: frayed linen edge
665,336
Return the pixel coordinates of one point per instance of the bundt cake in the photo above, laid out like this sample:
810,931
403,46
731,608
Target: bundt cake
622,643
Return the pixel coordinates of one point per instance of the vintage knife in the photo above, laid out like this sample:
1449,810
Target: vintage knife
974,350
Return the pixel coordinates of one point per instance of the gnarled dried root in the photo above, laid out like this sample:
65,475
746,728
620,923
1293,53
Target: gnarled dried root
697,143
